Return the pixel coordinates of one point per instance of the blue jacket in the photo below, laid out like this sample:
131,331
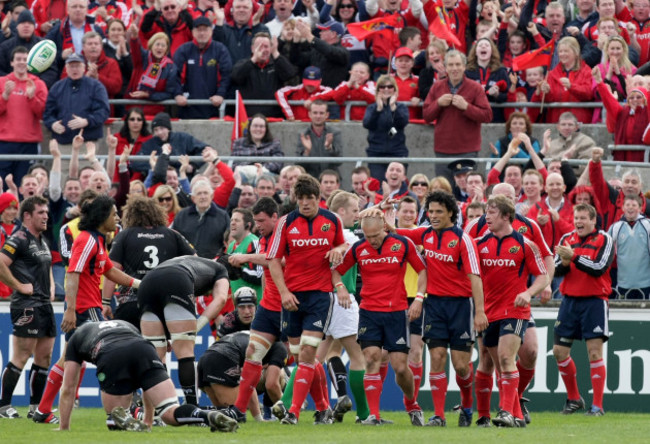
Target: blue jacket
378,124
182,143
85,98
237,40
203,74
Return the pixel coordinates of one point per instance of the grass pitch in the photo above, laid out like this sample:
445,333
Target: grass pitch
547,427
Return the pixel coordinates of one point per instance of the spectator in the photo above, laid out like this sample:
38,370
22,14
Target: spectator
170,18
459,108
238,37
640,14
360,178
74,104
419,186
100,67
116,47
435,68
440,183
134,133
569,133
394,186
517,123
569,81
155,76
330,181
203,224
456,12
407,83
345,12
26,37
533,185
165,196
106,10
179,184
616,66
311,85
205,67
21,109
262,75
385,121
553,212
319,140
48,14
283,12
258,142
288,176
460,169
484,66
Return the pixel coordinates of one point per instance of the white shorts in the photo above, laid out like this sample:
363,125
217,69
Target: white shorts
345,322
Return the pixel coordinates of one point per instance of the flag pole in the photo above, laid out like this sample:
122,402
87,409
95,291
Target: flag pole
541,108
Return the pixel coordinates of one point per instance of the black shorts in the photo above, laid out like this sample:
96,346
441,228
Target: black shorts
134,365
415,326
502,327
36,322
128,312
217,368
166,287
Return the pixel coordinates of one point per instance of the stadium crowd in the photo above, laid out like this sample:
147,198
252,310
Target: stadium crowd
136,241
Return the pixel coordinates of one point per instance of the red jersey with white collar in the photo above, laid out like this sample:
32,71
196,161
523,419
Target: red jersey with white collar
271,299
450,256
523,225
382,271
407,89
303,243
506,264
89,258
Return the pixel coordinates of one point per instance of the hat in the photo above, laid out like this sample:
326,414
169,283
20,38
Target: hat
332,25
162,119
202,21
312,76
245,296
403,51
6,200
25,16
74,57
461,166
642,91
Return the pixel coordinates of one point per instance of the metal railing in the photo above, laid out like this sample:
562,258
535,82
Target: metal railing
644,148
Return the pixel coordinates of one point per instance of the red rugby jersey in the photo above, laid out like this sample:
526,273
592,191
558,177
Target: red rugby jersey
450,256
303,243
382,271
89,258
271,299
523,225
506,264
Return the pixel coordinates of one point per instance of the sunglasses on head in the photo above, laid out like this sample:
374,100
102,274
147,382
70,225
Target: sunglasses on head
165,199
422,184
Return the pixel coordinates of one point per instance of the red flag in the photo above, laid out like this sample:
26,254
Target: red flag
531,59
240,125
440,29
363,30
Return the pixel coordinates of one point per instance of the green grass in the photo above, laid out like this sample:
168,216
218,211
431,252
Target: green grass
548,427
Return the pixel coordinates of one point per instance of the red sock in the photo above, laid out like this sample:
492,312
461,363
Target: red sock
509,384
525,376
316,389
54,382
598,378
499,387
567,370
438,383
465,385
301,386
323,378
383,371
516,407
484,384
250,376
81,378
417,377
372,384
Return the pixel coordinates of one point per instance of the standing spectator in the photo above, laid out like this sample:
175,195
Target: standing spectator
134,133
165,196
346,12
100,67
319,140
434,69
170,18
205,67
385,121
115,47
616,66
484,66
283,12
553,213
583,257
258,142
459,108
639,18
48,13
21,109
407,82
311,85
263,74
359,87
238,36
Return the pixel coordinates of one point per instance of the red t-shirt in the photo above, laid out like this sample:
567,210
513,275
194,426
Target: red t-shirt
450,256
382,271
303,243
506,264
271,299
89,258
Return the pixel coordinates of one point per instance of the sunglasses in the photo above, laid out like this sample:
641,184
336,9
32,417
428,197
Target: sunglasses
135,119
165,199
386,87
346,6
421,184
169,8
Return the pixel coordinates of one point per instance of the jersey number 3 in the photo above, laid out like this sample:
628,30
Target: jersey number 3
153,260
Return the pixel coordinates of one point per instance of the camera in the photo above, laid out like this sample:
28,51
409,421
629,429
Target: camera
392,132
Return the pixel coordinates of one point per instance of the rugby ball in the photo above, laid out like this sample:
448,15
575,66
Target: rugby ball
41,56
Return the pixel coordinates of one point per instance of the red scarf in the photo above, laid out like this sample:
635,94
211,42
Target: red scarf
153,72
67,35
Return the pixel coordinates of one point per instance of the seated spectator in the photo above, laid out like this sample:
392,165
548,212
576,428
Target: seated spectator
155,76
407,83
262,75
517,123
258,141
345,12
311,85
205,67
435,67
171,18
116,47
238,36
319,140
615,67
165,196
134,133
484,66
385,121
359,87
569,81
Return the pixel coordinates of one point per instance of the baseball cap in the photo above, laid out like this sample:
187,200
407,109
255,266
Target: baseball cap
461,166
312,76
403,51
245,296
332,25
74,57
202,21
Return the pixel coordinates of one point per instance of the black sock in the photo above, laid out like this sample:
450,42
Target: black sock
266,400
187,379
10,377
37,381
339,375
190,414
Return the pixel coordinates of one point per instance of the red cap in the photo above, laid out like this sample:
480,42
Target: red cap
403,51
6,200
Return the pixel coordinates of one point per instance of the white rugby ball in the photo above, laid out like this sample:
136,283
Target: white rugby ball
41,56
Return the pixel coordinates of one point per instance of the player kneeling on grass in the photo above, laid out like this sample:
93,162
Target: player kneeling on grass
126,362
